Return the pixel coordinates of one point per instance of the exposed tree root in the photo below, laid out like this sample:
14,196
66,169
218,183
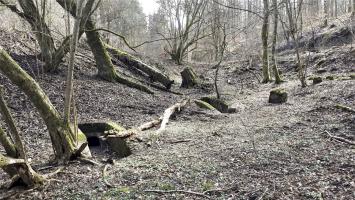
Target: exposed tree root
50,175
88,161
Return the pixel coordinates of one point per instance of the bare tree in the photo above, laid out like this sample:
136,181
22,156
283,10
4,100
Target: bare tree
185,26
265,38
274,43
294,12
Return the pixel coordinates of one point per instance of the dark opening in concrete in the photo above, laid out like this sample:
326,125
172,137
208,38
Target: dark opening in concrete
94,141
95,134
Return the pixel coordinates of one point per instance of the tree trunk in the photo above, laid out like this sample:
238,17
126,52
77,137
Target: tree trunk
15,149
42,32
265,37
131,61
61,136
69,91
189,78
5,112
274,42
104,64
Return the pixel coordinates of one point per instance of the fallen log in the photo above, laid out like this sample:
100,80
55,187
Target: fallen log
162,121
136,64
170,111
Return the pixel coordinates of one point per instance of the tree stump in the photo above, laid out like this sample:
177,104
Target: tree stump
278,96
189,78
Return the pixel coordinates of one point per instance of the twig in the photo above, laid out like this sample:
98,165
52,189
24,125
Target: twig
340,139
263,194
104,175
116,34
179,141
45,168
215,191
179,191
345,108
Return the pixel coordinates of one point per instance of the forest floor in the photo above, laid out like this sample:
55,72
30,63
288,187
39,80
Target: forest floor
263,151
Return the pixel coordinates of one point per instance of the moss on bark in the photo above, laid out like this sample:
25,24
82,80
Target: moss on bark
219,104
204,105
189,78
61,137
133,62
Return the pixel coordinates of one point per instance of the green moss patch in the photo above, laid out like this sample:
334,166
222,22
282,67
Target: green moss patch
204,105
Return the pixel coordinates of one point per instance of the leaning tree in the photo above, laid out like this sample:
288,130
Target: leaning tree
53,56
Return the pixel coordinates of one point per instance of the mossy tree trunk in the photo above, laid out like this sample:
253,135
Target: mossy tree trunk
189,78
133,62
60,133
42,32
106,69
53,57
274,42
265,37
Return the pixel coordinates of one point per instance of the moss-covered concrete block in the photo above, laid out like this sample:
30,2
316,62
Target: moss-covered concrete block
96,132
204,105
100,127
219,104
81,137
119,146
317,80
278,96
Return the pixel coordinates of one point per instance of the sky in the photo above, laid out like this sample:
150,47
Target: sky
149,6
